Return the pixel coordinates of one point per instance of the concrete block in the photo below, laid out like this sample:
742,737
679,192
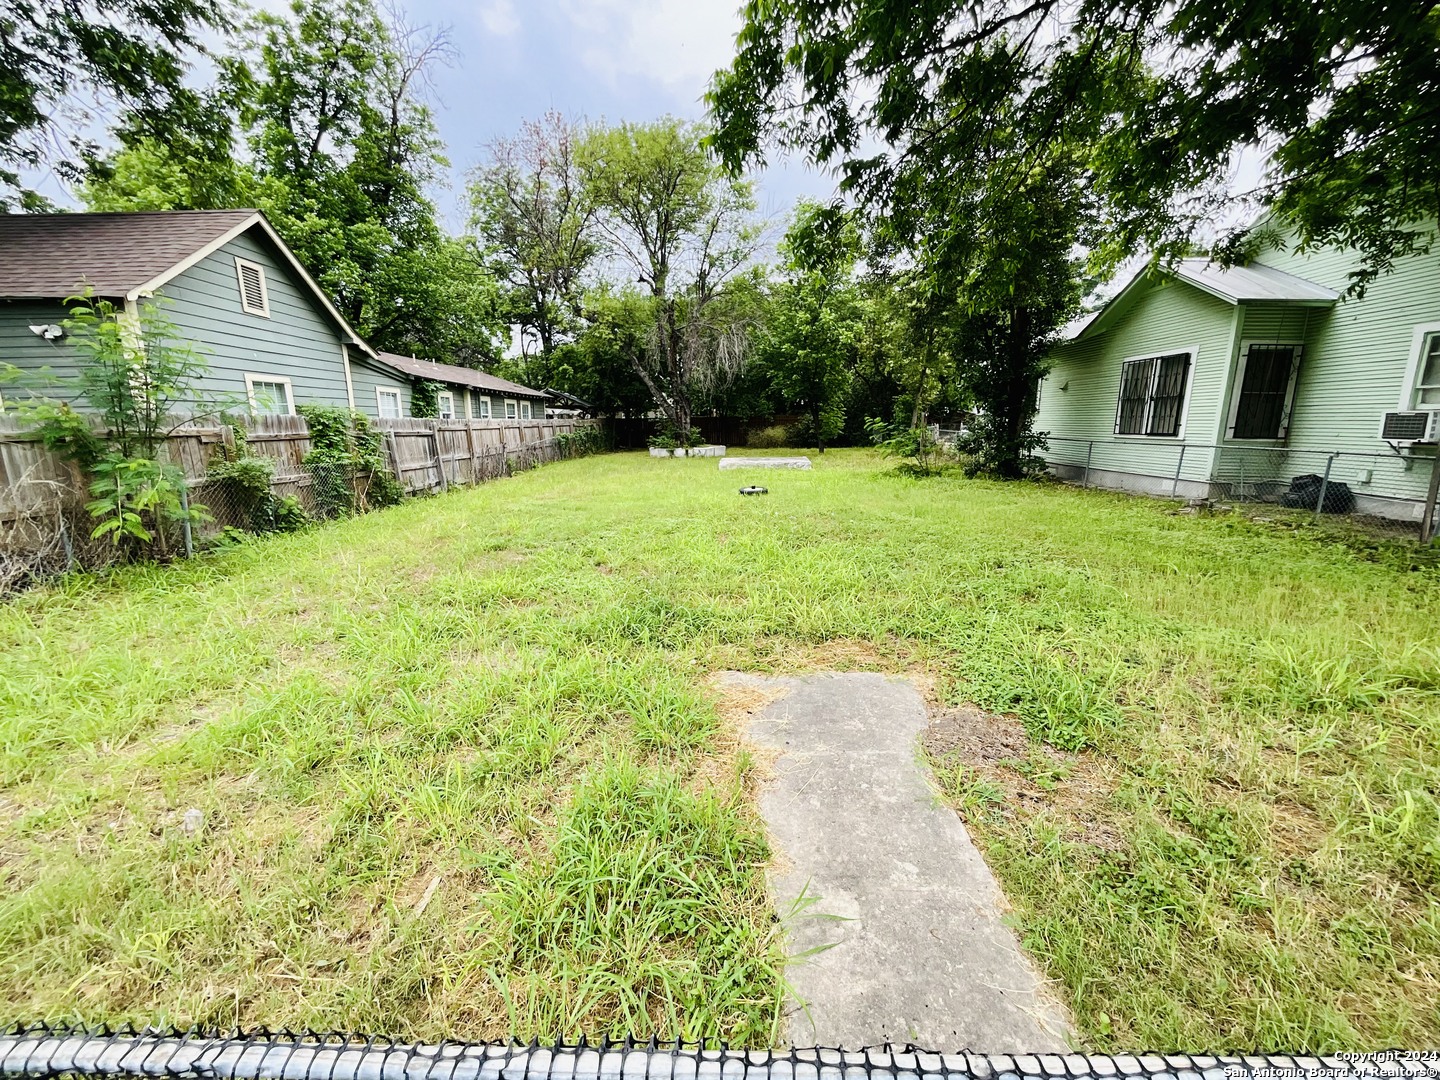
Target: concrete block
764,463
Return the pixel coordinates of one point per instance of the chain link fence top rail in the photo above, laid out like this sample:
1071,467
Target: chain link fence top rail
48,1051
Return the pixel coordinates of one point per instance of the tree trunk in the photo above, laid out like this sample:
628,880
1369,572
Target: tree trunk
819,431
1012,424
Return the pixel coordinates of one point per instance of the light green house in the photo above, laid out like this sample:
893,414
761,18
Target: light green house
1200,381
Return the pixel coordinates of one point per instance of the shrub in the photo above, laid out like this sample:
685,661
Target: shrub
768,438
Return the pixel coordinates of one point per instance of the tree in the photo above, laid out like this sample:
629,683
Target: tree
55,54
1343,95
534,220
319,119
667,212
809,345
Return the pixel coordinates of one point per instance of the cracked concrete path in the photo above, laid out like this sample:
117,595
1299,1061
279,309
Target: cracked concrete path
899,936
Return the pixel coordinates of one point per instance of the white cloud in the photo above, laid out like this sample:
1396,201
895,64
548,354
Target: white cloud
498,17
677,43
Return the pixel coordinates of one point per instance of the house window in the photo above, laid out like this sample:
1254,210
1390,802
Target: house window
1152,395
482,408
512,409
270,395
445,405
1264,389
387,402
1427,376
254,294
525,410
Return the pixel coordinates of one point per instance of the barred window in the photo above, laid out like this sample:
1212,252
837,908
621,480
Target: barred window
1152,395
1262,401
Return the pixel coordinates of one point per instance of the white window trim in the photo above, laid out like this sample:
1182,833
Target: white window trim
489,410
1239,383
251,378
440,395
264,309
399,401
1410,390
508,403
1193,353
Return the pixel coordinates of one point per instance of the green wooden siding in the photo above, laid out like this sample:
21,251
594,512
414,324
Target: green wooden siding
367,377
298,340
29,352
1166,318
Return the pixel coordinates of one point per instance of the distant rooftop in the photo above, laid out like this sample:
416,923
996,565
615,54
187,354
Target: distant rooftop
462,376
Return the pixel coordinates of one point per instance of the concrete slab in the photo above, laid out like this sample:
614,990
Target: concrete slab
892,916
764,463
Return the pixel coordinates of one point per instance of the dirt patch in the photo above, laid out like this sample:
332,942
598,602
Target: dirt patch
977,738
1033,777
732,753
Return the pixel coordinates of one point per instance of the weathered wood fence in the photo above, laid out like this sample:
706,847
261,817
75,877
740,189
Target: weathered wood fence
42,494
433,455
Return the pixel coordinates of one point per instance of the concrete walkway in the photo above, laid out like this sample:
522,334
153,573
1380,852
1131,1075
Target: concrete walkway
906,916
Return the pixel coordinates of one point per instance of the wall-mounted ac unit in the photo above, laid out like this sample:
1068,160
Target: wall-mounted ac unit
1416,426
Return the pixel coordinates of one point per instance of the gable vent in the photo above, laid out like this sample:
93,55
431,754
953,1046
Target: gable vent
254,298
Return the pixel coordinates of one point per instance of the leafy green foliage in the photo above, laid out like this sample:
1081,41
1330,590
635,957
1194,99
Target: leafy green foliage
536,225
808,347
337,145
685,229
1343,92
133,374
923,454
425,398
347,462
245,482
56,55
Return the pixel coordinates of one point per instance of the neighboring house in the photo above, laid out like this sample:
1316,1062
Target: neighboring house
1212,382
464,394
270,337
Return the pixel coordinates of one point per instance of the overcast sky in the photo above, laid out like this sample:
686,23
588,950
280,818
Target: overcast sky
600,59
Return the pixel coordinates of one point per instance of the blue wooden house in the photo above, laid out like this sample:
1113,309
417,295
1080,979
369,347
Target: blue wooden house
270,336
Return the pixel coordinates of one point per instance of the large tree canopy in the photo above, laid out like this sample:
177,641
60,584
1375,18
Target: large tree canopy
54,54
318,119
1344,96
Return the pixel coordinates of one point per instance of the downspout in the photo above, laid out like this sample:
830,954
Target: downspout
349,382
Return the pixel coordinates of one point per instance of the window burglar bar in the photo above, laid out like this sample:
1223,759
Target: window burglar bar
60,1052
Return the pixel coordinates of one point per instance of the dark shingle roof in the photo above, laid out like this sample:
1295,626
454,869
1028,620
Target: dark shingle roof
52,256
462,376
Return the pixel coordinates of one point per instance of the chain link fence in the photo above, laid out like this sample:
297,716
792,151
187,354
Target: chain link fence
44,1051
1382,495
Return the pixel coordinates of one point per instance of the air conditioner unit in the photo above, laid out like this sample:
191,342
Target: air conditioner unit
1417,426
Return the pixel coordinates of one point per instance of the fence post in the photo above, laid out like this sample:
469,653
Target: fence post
1428,531
1089,453
66,543
185,520
439,460
1324,483
394,449
470,442
1175,483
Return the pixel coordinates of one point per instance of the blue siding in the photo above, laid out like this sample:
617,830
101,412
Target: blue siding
39,359
297,341
368,376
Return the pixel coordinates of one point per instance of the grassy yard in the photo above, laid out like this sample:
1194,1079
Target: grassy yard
1218,826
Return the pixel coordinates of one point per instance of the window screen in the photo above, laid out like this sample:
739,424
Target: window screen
1264,390
482,408
388,402
510,411
445,405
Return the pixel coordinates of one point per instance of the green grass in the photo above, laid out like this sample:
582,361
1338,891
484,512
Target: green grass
505,688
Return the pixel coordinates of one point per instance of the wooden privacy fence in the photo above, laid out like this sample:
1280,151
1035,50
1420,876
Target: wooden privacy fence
43,525
433,455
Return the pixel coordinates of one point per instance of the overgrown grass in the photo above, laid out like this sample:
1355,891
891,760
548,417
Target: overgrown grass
504,688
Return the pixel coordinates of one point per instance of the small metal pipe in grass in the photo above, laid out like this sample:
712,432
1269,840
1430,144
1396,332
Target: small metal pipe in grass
185,520
1324,483
1175,483
56,1052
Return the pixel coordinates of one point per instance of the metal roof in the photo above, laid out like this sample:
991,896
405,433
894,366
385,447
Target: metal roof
1256,283
461,376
